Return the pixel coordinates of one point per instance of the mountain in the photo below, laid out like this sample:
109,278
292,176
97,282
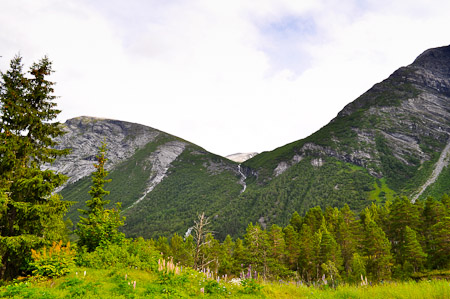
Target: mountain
241,157
392,140
162,181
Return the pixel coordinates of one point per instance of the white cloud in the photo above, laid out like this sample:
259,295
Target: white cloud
231,76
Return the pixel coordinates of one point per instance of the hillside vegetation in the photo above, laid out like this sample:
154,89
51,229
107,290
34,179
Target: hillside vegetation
384,144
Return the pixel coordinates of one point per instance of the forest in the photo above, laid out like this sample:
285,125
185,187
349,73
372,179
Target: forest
322,249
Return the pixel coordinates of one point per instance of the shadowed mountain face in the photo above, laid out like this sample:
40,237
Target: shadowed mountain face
392,140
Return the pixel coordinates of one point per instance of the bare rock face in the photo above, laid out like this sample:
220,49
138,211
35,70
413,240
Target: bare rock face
241,157
84,136
161,160
392,130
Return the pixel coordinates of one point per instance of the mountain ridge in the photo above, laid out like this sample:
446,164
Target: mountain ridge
390,141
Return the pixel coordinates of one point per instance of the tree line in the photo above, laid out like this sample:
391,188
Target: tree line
390,241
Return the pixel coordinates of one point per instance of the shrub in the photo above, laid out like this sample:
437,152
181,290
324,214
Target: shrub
137,253
54,262
250,286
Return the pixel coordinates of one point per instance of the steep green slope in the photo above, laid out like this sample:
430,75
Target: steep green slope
198,182
395,131
162,181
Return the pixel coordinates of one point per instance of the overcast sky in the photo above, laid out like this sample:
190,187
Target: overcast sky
231,76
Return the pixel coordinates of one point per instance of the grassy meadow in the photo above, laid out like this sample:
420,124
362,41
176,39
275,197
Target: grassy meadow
187,283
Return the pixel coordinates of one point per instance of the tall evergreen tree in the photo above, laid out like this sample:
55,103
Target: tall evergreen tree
441,244
329,249
377,249
227,256
292,247
296,221
432,214
308,253
277,251
257,244
403,214
31,216
101,226
347,236
414,254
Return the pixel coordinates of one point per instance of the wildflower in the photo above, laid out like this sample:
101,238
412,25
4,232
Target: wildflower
134,284
202,290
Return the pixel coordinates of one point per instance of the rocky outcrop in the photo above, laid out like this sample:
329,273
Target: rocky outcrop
408,113
160,161
84,136
241,157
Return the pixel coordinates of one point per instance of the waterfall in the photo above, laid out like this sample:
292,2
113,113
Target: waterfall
242,180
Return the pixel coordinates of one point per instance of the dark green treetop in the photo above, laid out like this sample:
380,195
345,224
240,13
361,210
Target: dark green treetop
31,216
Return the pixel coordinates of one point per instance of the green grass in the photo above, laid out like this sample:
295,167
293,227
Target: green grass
118,283
382,192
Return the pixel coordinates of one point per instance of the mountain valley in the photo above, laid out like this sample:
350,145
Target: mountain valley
392,140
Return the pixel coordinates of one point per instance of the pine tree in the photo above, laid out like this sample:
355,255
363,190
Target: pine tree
308,253
432,214
31,216
358,267
256,242
441,244
329,249
277,251
313,218
240,256
227,256
101,226
292,247
296,221
403,214
347,236
413,251
377,249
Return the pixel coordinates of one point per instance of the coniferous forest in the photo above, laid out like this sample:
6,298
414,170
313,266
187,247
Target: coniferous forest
323,253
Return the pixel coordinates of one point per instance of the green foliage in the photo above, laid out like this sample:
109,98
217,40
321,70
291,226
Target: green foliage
79,288
100,227
31,215
250,286
190,187
56,262
138,253
440,186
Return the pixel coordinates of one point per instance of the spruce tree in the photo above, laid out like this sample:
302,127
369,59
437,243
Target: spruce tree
403,213
257,243
227,258
101,226
414,254
441,244
31,215
292,247
347,236
377,249
308,253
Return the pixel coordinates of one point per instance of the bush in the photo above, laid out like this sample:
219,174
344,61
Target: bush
137,253
250,286
55,262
